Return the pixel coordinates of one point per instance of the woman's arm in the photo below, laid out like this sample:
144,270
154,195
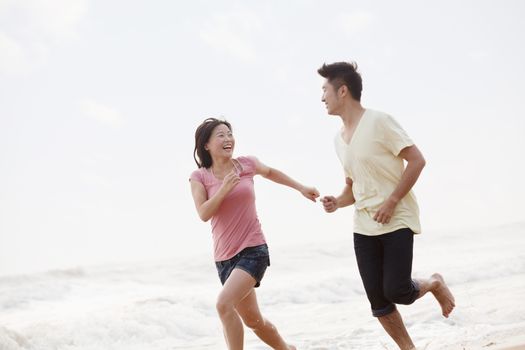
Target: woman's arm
206,208
279,177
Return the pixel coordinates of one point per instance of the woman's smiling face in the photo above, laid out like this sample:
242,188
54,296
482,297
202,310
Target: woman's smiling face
222,142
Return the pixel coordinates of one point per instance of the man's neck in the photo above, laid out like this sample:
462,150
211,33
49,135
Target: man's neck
351,114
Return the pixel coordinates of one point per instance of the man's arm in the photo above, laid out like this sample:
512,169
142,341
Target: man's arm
346,198
415,164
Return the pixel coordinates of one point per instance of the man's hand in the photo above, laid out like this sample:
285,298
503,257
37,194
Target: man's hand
329,203
384,214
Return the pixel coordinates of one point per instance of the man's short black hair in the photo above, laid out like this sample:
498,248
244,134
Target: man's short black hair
343,73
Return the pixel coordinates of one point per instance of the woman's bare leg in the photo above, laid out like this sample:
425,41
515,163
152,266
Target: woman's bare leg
249,311
237,287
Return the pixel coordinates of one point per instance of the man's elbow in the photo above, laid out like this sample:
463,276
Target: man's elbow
416,162
422,162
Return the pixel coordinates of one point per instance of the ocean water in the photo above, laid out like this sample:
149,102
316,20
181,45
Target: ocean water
311,292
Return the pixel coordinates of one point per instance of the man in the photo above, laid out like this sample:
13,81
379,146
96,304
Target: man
372,148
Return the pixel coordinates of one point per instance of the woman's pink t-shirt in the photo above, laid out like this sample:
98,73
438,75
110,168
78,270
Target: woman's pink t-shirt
235,225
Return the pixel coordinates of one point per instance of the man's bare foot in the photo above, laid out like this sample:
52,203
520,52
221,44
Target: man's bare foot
442,294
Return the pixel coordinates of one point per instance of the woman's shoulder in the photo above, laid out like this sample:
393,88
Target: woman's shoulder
248,163
246,159
199,175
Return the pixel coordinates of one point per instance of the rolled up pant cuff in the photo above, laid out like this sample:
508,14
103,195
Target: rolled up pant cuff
384,311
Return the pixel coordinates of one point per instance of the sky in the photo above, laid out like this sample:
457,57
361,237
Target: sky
99,102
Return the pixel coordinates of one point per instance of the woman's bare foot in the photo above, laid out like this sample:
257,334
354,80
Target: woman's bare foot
442,294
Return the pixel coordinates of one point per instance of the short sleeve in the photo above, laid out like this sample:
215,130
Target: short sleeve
197,176
394,137
248,165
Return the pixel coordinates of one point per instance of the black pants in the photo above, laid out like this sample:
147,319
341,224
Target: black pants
385,266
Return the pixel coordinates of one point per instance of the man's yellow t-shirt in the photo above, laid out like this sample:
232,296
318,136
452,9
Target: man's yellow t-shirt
372,161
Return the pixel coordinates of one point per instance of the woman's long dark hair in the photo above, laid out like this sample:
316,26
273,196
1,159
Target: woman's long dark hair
202,136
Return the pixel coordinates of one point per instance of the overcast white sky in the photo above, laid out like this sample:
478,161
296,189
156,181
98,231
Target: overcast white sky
99,101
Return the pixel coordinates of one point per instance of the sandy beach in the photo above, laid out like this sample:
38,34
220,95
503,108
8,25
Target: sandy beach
101,245
311,292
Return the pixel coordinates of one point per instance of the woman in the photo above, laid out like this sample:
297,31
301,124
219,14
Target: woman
223,191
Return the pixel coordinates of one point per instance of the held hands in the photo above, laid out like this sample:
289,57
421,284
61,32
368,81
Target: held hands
310,192
329,203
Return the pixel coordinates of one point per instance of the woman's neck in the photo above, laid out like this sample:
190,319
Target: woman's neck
222,166
221,163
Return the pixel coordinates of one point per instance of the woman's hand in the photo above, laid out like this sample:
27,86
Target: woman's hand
310,192
230,181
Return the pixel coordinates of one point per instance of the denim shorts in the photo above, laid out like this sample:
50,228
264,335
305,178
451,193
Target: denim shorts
253,260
